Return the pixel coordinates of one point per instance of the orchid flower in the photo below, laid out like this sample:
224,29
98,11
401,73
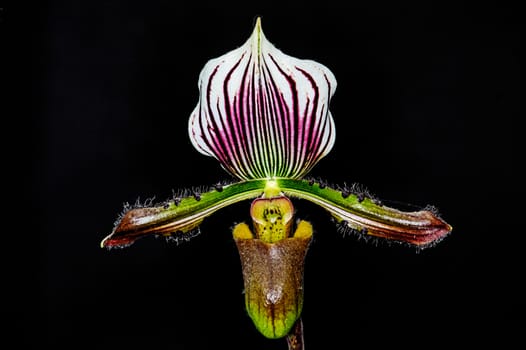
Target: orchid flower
265,117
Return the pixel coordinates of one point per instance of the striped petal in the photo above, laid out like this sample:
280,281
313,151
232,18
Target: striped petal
262,113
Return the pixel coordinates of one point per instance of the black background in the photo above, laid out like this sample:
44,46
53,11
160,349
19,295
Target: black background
426,109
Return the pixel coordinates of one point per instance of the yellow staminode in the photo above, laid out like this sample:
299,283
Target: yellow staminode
272,218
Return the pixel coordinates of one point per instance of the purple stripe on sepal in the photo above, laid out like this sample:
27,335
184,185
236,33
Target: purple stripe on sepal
262,113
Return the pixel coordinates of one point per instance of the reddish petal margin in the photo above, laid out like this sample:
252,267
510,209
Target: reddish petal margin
358,213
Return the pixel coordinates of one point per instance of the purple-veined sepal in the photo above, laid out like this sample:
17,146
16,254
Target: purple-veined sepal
262,113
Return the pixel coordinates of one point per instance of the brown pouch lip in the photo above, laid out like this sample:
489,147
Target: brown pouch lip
273,282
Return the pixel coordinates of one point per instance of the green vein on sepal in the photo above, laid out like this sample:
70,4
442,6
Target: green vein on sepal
179,216
369,217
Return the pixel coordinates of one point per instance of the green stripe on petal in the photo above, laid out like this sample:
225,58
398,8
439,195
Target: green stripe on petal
421,228
262,113
179,217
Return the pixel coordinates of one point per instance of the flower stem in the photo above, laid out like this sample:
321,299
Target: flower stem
295,337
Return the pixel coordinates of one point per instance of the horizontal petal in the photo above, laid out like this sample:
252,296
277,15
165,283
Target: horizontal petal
366,216
180,217
262,113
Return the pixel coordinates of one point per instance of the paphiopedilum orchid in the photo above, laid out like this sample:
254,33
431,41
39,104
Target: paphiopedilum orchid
265,117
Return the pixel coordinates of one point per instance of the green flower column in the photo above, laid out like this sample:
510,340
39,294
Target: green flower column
272,260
